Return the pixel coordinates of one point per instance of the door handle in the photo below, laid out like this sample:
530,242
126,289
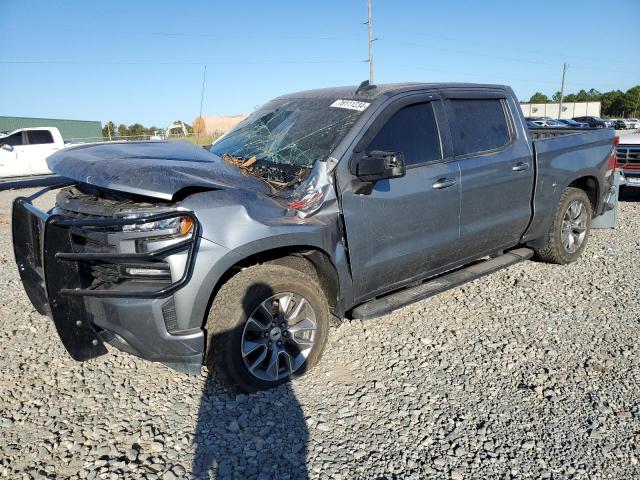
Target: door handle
443,183
520,167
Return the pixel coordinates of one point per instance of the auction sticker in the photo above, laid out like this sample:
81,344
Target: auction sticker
350,105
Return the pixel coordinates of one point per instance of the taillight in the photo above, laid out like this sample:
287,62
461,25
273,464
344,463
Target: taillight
613,158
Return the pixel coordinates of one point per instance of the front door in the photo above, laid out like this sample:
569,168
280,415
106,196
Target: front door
11,162
402,229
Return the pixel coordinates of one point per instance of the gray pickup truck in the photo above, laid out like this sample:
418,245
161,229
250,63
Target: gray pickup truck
321,205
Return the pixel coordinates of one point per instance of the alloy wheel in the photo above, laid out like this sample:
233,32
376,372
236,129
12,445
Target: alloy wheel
278,336
574,226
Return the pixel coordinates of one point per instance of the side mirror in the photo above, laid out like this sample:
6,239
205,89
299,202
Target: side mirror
378,165
7,147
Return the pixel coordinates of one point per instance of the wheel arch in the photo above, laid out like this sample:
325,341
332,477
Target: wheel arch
586,181
588,184
322,263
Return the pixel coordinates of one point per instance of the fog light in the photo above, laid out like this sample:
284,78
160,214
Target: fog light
147,272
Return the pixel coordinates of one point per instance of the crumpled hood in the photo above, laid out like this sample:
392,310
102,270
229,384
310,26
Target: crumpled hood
154,168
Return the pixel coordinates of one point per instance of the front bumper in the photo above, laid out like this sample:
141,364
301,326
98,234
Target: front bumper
631,177
132,316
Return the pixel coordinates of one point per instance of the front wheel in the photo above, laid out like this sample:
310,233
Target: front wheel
567,237
267,324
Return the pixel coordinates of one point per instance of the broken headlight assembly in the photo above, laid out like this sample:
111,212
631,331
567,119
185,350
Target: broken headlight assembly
177,226
310,202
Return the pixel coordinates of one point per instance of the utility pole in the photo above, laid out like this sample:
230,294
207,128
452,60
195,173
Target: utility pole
370,28
204,79
564,73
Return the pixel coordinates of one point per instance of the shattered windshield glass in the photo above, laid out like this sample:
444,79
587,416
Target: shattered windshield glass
282,140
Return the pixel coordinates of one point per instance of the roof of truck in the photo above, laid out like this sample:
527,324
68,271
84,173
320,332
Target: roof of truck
349,92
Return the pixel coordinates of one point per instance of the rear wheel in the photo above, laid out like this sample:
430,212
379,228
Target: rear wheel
567,237
267,324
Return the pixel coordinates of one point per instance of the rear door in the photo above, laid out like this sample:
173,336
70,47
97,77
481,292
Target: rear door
40,146
403,228
497,171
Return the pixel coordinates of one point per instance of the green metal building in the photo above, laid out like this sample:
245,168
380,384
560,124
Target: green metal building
71,130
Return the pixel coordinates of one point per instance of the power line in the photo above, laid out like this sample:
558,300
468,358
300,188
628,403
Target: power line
275,62
202,34
200,63
463,52
474,74
503,47
498,57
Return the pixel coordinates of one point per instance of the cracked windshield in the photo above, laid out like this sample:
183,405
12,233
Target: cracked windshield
280,142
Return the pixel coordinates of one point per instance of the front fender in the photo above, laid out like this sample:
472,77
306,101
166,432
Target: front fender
220,261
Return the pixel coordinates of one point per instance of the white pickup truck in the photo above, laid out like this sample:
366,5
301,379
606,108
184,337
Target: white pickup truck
24,152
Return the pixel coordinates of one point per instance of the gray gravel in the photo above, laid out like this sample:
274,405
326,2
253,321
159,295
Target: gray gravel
532,372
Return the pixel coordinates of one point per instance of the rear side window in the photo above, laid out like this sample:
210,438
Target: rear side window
413,131
38,137
478,125
13,140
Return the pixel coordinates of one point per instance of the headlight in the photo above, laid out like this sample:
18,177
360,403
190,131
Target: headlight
180,225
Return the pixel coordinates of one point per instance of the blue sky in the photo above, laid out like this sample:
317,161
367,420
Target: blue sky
138,61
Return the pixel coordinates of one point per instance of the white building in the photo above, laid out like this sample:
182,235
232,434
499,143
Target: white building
569,110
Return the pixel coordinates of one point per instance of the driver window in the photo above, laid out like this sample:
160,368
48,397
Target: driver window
14,140
413,131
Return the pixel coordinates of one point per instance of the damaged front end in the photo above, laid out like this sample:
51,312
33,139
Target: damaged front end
89,259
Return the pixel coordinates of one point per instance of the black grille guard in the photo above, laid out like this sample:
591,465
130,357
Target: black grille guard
50,269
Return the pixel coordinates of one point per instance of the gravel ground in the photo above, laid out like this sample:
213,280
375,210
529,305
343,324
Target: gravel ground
532,372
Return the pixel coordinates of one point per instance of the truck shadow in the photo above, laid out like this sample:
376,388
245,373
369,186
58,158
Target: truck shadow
262,435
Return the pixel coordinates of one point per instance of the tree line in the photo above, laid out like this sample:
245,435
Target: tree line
136,131
614,103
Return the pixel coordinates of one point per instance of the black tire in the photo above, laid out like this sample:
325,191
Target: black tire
236,300
554,251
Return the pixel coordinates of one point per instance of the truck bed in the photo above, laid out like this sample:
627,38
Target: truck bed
560,156
544,132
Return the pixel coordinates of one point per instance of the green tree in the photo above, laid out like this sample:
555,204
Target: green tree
584,96
122,130
632,102
612,103
539,98
594,95
136,131
109,130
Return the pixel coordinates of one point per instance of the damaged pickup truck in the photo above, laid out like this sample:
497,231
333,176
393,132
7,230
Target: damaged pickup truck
321,205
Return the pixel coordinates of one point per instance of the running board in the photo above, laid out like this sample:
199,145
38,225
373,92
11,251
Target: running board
387,304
